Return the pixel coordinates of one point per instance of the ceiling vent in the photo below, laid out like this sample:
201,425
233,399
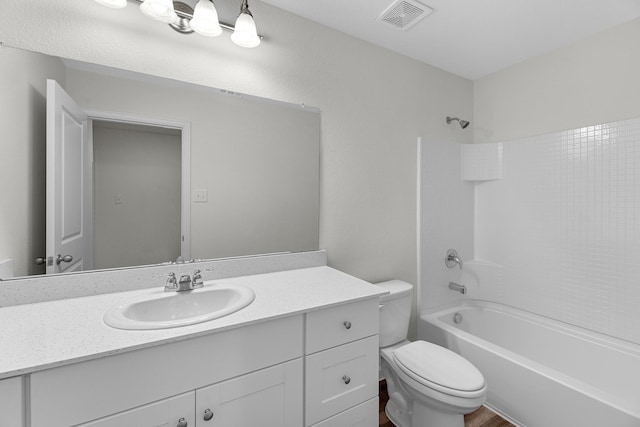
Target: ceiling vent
403,14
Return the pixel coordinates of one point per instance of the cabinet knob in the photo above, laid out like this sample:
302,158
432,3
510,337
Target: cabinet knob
182,423
346,379
347,324
207,414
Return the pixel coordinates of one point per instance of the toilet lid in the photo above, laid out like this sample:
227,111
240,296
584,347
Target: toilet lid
430,363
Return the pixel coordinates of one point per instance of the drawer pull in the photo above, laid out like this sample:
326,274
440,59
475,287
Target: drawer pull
347,324
346,379
207,414
182,423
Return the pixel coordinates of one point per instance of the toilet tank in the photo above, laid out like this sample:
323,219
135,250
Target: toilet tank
395,311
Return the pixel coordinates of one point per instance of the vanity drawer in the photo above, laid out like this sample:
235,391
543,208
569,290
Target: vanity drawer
363,415
340,378
341,324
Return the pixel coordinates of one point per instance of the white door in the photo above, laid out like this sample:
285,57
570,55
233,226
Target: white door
69,184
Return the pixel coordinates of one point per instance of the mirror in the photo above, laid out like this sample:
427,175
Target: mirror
254,163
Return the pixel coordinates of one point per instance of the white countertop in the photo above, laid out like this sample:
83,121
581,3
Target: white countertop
56,333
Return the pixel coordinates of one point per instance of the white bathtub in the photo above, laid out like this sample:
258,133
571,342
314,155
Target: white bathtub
540,372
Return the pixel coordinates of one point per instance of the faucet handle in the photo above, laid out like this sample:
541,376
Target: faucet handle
171,284
196,279
452,259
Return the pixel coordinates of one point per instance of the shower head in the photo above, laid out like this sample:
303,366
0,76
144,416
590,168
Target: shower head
463,123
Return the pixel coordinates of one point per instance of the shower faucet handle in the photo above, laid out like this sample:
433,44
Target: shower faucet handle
452,259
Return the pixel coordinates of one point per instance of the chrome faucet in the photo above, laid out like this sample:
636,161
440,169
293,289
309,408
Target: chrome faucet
186,282
452,259
458,288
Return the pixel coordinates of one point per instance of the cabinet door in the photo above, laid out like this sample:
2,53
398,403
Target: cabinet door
268,397
172,412
11,404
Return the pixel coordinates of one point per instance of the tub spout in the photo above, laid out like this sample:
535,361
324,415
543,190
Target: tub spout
458,288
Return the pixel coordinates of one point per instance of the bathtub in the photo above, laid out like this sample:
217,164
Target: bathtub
540,372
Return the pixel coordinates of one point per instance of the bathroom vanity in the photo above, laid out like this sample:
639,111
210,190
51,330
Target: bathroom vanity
304,353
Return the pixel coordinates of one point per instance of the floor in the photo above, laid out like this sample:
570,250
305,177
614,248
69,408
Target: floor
483,417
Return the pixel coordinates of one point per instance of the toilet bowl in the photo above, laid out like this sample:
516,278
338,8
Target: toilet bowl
428,385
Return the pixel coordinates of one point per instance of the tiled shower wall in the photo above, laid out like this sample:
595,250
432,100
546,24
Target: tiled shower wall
559,234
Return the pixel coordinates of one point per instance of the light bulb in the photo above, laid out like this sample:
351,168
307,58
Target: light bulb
115,4
205,19
160,10
245,33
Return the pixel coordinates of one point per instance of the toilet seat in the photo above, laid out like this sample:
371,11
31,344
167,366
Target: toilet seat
440,369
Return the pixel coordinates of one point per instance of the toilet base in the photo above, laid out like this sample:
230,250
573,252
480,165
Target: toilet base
424,416
397,416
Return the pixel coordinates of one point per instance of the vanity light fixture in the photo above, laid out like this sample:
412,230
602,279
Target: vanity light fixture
245,33
160,10
203,19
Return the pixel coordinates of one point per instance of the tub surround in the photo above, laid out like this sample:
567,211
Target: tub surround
61,332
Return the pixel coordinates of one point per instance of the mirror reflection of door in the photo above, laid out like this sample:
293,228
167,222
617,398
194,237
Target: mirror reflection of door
114,190
137,194
68,184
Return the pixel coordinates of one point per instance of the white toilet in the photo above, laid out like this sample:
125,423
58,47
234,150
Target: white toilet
428,385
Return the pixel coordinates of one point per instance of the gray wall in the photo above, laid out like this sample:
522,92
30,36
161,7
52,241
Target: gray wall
140,165
591,82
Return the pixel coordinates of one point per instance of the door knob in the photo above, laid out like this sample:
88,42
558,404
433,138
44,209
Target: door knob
60,258
207,414
182,423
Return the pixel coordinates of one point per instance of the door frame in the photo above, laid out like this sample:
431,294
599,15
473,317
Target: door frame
185,188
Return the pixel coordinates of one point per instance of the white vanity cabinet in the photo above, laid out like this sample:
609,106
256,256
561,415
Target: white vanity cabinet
341,347
225,372
318,368
11,405
269,397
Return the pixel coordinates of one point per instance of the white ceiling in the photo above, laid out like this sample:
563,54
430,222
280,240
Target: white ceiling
471,38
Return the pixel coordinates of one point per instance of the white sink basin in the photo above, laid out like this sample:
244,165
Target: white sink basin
173,309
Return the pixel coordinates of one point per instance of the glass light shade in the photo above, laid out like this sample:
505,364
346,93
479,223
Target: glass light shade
205,19
115,4
160,10
245,33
